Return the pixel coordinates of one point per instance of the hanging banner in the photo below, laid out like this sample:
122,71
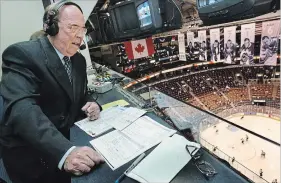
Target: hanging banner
215,44
202,36
269,42
229,44
181,41
190,43
247,44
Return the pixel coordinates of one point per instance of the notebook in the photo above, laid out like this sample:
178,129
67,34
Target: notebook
165,161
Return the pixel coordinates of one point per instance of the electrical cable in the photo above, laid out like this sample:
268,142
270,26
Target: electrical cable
178,9
173,14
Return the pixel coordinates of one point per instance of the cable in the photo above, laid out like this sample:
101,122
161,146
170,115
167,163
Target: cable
103,28
178,9
173,15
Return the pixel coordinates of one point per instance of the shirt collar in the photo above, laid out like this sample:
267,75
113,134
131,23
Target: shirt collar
59,53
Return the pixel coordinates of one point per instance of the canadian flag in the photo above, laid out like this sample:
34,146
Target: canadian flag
139,49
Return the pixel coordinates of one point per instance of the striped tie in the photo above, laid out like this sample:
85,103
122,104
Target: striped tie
67,65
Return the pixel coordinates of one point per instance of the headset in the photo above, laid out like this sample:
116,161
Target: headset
51,15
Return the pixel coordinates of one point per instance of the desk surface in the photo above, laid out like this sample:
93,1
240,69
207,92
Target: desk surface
189,174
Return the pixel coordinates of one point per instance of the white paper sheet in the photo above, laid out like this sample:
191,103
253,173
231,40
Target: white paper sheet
101,125
128,116
93,128
119,147
116,148
164,162
146,132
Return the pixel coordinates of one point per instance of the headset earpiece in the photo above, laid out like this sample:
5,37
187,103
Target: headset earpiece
51,24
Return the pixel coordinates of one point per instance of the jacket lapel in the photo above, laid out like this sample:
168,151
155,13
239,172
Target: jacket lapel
56,67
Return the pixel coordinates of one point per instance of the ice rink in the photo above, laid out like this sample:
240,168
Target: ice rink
228,140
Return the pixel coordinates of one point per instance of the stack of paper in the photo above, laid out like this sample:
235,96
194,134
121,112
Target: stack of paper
115,117
165,161
119,147
101,125
128,116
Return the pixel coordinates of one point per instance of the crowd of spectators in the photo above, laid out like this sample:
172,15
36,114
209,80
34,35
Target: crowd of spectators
220,87
261,91
278,94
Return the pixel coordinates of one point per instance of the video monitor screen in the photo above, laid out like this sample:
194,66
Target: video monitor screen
126,17
144,14
208,2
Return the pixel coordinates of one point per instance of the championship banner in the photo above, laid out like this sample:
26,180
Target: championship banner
269,42
190,43
215,44
229,44
247,44
181,42
202,36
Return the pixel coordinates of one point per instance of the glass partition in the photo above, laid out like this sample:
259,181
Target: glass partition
244,136
244,150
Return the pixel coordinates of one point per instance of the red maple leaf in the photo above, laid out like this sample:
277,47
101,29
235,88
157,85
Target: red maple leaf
140,48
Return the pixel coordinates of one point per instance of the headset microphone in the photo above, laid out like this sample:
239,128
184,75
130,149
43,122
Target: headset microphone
83,46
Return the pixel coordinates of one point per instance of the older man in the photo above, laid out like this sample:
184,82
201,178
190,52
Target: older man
44,86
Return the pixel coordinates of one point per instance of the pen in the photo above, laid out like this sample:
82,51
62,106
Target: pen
134,164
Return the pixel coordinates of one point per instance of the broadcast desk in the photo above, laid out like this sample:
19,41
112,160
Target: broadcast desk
189,174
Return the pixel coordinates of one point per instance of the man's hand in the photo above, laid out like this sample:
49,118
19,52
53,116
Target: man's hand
81,160
92,110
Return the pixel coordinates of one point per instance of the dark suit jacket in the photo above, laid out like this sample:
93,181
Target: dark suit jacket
40,105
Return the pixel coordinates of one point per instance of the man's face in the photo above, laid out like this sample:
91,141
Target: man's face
247,43
71,29
203,45
228,44
215,44
266,41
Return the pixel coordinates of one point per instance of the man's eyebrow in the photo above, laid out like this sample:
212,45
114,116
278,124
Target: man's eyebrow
77,25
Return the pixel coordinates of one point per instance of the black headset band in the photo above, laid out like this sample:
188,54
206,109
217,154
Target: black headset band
63,3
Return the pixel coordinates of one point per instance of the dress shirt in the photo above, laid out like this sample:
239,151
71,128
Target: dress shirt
73,147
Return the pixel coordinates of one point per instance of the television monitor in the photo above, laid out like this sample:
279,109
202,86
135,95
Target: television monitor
139,18
208,2
219,11
124,19
149,16
144,14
